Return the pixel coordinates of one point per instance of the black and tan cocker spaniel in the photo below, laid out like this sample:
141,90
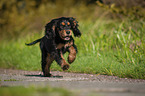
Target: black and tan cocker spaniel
58,40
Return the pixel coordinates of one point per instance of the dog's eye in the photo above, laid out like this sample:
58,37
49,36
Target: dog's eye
63,23
68,23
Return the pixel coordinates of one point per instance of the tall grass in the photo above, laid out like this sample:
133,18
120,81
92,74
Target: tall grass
120,50
106,47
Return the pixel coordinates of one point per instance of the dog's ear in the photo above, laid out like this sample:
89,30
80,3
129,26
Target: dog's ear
74,27
50,29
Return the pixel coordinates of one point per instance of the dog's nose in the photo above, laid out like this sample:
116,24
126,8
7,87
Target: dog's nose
67,32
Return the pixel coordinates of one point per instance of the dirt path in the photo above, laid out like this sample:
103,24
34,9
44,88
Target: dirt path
84,83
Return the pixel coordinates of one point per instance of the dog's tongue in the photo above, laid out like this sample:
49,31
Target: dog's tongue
67,38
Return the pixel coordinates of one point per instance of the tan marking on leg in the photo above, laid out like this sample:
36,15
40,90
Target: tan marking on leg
64,65
72,54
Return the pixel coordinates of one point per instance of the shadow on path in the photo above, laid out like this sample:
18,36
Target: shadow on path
56,76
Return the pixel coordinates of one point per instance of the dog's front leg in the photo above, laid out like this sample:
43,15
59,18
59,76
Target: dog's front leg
64,65
58,56
72,53
55,53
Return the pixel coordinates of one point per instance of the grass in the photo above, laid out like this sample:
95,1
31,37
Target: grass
34,91
11,80
106,47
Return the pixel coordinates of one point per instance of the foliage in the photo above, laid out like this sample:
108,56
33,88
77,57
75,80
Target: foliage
20,17
134,9
106,47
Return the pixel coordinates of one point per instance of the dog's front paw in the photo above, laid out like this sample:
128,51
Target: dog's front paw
71,58
65,67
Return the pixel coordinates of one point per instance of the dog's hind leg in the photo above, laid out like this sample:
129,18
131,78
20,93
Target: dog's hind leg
49,61
46,61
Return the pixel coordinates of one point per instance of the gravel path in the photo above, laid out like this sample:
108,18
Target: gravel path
83,83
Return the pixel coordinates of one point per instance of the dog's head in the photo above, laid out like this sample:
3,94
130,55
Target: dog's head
64,29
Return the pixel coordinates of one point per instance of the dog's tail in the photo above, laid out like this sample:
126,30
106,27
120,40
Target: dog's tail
34,42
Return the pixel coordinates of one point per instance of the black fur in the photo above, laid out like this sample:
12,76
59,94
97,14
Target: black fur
34,42
53,45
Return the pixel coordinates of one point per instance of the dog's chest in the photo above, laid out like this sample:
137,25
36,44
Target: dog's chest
61,45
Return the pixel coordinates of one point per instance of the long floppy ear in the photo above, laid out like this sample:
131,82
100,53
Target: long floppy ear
74,27
50,29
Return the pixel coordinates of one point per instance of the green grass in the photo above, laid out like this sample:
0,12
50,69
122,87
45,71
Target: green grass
34,91
106,47
11,80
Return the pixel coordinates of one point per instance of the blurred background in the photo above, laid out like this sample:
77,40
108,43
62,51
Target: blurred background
112,41
21,17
